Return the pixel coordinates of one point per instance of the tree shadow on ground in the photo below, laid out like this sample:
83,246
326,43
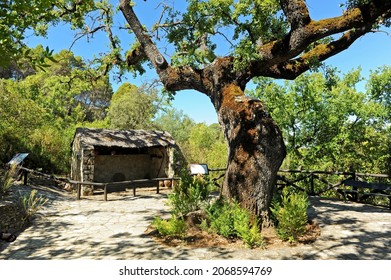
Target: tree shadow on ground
88,229
95,229
350,231
61,245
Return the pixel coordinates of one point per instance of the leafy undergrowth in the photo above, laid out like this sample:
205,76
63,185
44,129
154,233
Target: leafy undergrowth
199,219
198,238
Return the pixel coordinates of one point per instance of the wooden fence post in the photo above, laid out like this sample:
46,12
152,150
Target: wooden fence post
25,174
158,187
312,190
78,191
105,192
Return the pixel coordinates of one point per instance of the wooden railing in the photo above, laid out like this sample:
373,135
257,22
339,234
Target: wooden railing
121,186
320,182
314,183
106,187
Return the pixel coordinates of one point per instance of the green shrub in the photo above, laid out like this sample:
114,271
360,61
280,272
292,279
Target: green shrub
252,237
230,220
172,227
226,219
290,215
220,218
189,196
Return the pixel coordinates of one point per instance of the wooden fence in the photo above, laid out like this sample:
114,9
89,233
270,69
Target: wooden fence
315,183
320,182
312,179
106,187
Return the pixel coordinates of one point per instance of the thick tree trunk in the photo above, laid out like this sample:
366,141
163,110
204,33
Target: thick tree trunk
256,150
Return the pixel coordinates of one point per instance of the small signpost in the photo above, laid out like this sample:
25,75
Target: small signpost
199,169
18,159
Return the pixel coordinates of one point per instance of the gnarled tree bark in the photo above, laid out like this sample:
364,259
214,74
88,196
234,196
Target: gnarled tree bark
256,150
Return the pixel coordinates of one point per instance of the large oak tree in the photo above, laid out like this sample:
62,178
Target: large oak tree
275,39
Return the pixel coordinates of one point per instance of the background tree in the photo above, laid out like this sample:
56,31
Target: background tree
16,122
328,123
40,108
64,89
177,123
207,145
379,87
133,107
200,143
19,17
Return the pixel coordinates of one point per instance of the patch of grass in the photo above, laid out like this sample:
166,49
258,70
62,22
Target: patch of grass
6,180
31,204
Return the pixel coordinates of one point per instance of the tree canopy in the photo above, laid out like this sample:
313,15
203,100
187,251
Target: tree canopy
249,32
133,108
17,18
262,38
329,123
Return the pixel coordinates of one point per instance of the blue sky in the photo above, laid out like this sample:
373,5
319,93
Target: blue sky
369,52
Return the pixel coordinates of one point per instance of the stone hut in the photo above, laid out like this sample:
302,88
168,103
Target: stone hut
102,155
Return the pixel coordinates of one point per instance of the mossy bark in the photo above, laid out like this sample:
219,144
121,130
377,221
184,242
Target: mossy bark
255,150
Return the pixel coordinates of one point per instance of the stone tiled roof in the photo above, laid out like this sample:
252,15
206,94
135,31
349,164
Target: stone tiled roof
90,137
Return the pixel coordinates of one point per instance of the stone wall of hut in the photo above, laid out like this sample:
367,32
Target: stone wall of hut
125,167
88,166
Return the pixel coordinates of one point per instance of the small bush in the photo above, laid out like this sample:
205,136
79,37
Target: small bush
171,227
226,219
290,215
252,237
189,196
220,219
230,220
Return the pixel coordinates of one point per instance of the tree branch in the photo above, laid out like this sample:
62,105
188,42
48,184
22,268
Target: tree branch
172,78
150,49
70,10
293,68
296,12
86,33
278,54
283,58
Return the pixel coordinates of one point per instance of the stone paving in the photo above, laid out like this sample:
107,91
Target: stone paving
70,229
